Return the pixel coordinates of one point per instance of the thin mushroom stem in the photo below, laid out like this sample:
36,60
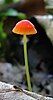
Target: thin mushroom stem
26,63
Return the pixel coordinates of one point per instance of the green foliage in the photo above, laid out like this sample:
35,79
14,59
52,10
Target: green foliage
16,1
8,1
11,12
3,35
21,16
3,15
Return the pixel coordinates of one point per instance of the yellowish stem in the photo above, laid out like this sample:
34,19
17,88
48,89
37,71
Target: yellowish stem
26,63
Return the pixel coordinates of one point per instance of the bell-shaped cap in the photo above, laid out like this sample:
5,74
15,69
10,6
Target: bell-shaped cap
24,27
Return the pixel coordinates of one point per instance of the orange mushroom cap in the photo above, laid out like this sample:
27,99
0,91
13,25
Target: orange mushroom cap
24,27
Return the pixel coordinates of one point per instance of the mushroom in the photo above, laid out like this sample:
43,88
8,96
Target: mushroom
25,27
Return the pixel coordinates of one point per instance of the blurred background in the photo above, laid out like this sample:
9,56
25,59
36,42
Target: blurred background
40,46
